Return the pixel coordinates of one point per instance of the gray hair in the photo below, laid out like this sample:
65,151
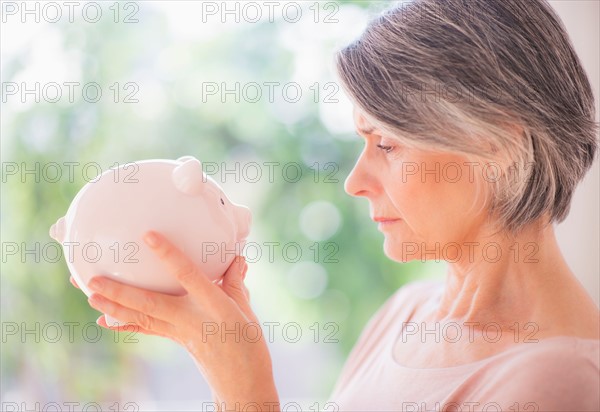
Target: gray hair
494,80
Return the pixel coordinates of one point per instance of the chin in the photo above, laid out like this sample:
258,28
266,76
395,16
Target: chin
393,250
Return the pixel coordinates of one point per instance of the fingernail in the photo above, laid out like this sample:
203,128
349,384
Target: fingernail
96,284
151,239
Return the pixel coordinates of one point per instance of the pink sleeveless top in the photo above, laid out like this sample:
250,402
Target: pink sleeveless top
555,374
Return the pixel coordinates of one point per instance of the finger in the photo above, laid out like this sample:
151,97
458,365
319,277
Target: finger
73,282
127,315
184,270
247,293
232,279
130,327
233,284
155,304
244,287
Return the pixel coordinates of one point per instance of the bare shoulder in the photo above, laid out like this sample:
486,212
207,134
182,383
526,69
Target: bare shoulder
573,313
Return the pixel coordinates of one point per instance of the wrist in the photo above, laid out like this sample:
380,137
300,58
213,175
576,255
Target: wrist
263,398
266,402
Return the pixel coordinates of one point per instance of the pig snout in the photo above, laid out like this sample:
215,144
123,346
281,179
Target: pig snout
243,219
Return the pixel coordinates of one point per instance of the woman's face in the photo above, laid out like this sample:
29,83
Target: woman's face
429,196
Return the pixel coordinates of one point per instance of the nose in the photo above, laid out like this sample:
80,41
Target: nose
359,182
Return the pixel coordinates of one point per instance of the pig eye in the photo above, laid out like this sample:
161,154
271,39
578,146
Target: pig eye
223,203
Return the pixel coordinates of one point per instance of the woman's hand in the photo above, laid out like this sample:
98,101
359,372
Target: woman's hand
214,322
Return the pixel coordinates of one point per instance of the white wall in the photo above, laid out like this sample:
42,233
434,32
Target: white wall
579,234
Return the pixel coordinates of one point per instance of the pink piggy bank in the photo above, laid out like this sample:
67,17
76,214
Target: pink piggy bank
101,233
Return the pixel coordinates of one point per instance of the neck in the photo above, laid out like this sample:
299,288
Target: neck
517,279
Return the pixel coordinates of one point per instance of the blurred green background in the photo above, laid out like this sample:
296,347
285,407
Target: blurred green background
163,64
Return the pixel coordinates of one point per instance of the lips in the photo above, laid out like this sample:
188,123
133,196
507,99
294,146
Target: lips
386,222
381,219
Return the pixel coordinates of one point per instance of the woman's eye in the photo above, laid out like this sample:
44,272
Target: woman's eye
222,202
386,149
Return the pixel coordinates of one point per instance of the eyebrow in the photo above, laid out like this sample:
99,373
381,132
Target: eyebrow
360,131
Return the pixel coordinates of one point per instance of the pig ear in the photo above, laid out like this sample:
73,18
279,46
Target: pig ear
188,177
57,230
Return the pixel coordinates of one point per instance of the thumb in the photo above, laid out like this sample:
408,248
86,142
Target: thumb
233,281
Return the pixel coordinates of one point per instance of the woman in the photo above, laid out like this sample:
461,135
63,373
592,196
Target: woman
478,123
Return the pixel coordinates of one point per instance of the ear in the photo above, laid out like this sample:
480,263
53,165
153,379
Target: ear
57,230
188,177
